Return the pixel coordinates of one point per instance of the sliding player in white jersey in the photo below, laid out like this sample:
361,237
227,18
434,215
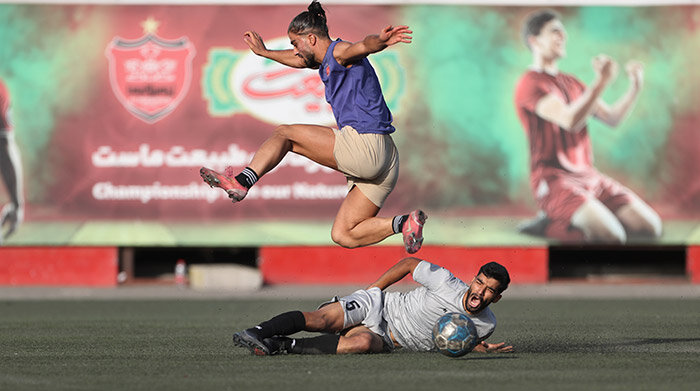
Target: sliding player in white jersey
372,321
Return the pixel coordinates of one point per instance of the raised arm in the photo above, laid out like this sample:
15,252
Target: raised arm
396,273
613,115
284,57
347,53
572,116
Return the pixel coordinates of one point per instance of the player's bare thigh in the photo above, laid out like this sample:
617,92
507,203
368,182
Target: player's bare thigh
313,141
639,218
360,339
329,318
355,209
598,223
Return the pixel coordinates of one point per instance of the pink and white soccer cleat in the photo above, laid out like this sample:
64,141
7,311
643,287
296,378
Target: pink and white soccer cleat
413,231
236,191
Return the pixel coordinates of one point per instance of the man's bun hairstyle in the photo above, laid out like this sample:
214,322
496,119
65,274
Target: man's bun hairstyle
311,21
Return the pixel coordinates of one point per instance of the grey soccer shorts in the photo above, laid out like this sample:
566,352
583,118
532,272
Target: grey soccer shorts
366,307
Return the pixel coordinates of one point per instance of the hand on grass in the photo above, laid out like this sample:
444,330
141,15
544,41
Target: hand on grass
493,348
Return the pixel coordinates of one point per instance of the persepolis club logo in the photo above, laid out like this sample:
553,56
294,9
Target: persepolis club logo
242,82
150,75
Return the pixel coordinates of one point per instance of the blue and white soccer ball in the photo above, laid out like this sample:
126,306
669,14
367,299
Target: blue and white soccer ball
454,334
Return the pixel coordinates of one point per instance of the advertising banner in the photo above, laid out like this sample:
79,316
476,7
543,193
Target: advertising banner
114,108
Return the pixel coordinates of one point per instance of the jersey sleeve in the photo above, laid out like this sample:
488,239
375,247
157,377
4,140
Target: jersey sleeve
431,276
529,91
484,337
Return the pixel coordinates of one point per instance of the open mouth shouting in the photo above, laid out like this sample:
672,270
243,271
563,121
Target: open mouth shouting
474,302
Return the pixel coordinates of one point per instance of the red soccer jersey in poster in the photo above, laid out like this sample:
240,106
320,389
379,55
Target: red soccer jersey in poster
4,107
550,145
562,175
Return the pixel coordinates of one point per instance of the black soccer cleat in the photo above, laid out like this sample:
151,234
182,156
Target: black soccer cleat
250,341
278,345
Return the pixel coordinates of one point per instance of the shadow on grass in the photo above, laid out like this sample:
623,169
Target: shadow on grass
548,346
489,356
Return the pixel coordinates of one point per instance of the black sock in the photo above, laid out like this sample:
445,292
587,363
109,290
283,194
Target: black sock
282,324
285,344
247,177
398,222
323,344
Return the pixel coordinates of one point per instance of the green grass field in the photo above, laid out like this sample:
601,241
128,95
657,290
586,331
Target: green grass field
562,344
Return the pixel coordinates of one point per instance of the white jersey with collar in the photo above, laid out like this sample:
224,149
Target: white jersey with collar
412,315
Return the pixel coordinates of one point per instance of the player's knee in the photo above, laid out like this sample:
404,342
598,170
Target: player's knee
343,238
656,228
610,233
652,225
598,223
360,343
284,131
616,235
640,219
651,228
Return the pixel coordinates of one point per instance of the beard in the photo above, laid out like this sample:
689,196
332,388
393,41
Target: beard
309,60
475,303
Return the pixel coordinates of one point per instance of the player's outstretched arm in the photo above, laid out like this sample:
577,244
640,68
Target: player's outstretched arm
613,115
347,53
572,116
284,57
501,347
396,273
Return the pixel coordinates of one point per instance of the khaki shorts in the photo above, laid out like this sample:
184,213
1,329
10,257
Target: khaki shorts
370,161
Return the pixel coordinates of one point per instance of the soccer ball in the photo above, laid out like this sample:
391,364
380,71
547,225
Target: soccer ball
454,334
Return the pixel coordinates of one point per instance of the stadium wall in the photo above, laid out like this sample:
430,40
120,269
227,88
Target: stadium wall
59,266
693,264
305,265
335,265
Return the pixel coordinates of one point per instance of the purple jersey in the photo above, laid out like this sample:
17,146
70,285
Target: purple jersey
355,95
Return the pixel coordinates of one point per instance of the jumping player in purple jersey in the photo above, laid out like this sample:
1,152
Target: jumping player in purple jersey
361,147
12,214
